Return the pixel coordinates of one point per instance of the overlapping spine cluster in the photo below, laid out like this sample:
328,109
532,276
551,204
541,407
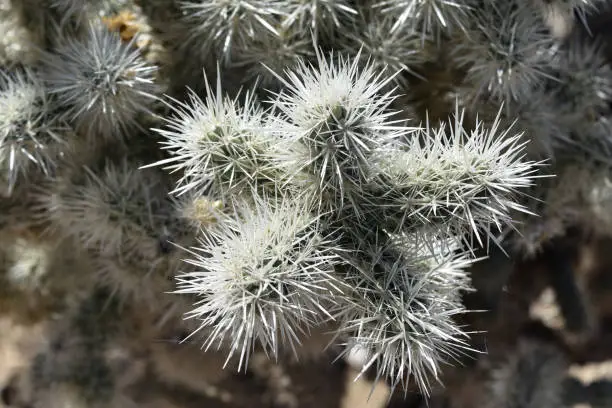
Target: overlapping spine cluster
453,179
136,225
102,83
429,16
510,53
30,133
218,142
266,277
407,294
220,25
375,239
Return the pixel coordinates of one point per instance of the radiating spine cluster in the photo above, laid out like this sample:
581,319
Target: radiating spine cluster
352,239
30,133
103,83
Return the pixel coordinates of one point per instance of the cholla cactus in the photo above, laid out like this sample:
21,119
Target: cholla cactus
369,241
342,190
323,18
268,55
219,25
538,118
219,144
102,83
338,115
265,278
407,292
510,54
583,91
455,180
127,205
429,16
375,39
30,134
80,366
124,218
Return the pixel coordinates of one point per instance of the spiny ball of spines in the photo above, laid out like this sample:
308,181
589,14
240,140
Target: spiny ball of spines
263,279
455,181
218,26
269,54
506,53
374,38
102,84
538,119
583,92
406,293
123,216
337,115
324,19
430,17
31,137
220,144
